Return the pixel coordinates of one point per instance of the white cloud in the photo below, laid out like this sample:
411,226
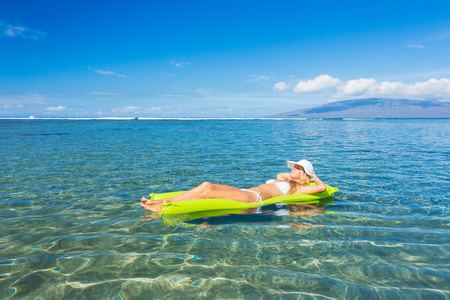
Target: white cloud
166,74
23,99
281,86
419,46
6,106
256,78
137,110
126,109
435,73
315,85
356,86
179,64
109,73
203,91
56,108
370,88
14,31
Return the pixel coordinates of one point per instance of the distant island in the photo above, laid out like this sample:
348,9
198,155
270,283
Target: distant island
373,108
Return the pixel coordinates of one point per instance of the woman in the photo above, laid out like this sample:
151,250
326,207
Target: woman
295,182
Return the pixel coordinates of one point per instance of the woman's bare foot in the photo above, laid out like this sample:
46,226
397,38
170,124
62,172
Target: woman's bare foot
150,201
156,207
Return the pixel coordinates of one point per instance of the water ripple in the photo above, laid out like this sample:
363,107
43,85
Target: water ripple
72,226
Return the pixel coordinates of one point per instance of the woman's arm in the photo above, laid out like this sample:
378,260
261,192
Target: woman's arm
313,189
283,176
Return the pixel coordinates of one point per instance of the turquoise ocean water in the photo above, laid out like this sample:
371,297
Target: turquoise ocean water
72,228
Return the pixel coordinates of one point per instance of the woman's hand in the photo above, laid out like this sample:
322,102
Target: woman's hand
318,188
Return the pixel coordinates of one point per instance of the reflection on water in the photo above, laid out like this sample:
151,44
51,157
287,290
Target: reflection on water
72,226
259,214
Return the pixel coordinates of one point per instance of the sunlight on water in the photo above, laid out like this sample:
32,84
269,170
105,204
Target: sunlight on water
72,226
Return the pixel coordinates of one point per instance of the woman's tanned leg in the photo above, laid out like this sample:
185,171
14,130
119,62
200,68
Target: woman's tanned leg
204,191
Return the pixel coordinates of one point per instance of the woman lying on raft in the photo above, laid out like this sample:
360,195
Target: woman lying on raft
295,182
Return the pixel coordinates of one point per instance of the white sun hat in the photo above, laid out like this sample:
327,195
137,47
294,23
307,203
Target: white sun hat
307,166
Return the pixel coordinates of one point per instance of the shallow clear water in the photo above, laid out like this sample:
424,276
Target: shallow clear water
71,225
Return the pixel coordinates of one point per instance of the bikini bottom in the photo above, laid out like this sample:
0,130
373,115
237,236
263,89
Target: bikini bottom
258,195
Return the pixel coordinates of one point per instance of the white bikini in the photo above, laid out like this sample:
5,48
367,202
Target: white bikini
282,185
258,195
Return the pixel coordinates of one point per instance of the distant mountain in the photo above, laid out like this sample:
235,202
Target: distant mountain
373,108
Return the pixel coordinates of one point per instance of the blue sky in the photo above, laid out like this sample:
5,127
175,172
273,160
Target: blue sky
216,58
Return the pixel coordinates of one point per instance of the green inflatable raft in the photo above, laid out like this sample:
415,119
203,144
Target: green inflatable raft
188,206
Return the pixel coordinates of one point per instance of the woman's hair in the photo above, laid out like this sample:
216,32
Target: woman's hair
294,185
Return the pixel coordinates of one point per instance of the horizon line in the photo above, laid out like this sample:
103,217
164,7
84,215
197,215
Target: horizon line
210,118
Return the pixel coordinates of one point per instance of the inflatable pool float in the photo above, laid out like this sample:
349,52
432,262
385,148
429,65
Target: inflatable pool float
188,206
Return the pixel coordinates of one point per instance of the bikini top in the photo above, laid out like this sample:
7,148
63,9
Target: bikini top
282,185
